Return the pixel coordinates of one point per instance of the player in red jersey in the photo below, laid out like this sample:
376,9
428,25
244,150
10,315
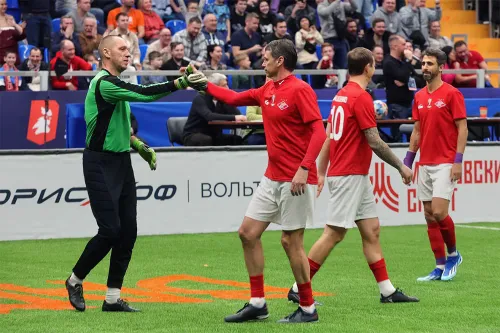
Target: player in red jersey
294,134
440,132
352,135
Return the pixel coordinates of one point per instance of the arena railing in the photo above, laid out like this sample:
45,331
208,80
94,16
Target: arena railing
341,73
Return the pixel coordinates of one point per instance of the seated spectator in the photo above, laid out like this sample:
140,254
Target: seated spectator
214,59
306,40
415,22
248,40
167,10
191,9
135,21
7,82
34,63
437,41
122,30
195,44
468,59
89,38
92,60
66,32
155,63
295,12
416,63
153,23
10,34
390,16
242,61
326,12
352,34
326,62
162,45
450,59
266,19
254,113
376,36
205,108
66,61
378,54
212,36
83,11
279,32
177,61
222,14
238,14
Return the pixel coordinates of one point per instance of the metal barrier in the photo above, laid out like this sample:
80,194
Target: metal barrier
341,73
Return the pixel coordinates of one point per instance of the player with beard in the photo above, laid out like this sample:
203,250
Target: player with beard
440,132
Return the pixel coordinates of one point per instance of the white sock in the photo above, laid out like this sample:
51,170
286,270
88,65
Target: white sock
308,309
441,267
295,288
74,280
112,295
258,302
453,254
386,288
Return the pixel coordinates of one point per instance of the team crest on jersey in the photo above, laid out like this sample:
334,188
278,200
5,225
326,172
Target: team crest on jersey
282,105
440,104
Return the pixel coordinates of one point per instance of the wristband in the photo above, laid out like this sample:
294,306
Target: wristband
410,157
304,168
459,157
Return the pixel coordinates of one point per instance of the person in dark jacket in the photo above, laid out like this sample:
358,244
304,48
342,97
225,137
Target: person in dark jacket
33,63
377,35
197,131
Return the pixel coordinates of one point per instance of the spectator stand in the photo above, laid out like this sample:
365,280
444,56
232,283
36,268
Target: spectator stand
175,26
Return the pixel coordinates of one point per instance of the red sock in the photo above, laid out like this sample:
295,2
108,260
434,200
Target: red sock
448,232
257,286
379,270
437,243
313,267
305,294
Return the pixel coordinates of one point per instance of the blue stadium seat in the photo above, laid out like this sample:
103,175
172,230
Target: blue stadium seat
24,51
143,48
11,4
46,56
318,51
175,25
56,24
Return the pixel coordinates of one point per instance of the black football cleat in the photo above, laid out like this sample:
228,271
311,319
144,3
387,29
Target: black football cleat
247,313
119,306
76,296
300,316
294,297
398,297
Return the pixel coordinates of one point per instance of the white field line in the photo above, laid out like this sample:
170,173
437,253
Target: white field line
476,227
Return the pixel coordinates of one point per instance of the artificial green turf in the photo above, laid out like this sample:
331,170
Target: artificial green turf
469,303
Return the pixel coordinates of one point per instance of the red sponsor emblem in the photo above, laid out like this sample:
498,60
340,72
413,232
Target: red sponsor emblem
382,188
42,126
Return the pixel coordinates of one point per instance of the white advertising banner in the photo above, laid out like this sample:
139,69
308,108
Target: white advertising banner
44,196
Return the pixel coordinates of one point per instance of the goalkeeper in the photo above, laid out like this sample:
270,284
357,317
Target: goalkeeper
108,172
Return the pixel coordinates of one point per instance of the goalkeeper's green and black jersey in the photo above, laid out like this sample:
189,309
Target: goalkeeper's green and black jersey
107,110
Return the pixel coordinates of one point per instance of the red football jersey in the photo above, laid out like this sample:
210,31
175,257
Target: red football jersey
289,106
352,112
437,113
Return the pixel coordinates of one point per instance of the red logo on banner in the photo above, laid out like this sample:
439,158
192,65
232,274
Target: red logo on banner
42,126
382,188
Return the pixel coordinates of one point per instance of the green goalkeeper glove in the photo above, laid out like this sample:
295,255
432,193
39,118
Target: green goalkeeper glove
146,152
182,82
198,81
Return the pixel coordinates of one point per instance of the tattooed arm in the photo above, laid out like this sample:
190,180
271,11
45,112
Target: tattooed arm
385,153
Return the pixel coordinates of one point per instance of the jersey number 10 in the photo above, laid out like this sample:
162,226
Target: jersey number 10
337,122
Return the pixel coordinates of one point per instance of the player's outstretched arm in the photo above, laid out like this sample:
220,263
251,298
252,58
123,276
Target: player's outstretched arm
385,153
414,145
113,90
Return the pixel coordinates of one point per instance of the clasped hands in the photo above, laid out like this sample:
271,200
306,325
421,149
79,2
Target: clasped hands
192,78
